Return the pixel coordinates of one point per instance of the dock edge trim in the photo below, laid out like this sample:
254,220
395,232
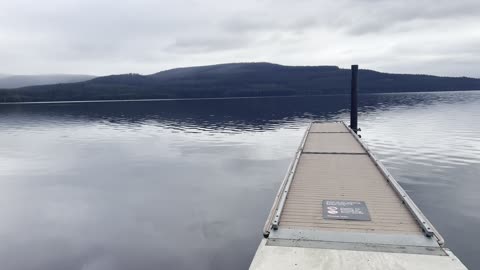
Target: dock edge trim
427,227
277,207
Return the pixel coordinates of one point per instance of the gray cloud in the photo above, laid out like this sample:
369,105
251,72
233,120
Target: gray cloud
208,44
146,36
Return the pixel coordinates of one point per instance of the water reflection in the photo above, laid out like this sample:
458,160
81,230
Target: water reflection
188,184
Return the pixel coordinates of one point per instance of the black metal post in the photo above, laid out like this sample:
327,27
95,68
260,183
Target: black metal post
354,100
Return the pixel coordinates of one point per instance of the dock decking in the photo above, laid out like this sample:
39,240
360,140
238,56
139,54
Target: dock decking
334,166
367,211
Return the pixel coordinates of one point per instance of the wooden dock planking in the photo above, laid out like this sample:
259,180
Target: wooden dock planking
341,142
334,166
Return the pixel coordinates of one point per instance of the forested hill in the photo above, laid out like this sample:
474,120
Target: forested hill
235,80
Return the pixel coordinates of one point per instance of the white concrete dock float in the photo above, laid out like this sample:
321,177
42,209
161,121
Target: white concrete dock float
339,208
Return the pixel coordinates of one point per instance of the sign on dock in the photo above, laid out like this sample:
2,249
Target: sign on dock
345,210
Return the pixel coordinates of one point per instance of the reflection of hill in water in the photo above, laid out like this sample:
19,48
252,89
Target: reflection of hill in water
220,114
230,114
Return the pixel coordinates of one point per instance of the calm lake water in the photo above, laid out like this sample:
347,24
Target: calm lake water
188,184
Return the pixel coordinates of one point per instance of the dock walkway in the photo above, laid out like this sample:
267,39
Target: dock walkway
339,208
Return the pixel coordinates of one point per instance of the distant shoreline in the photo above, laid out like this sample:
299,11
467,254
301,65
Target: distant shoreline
217,98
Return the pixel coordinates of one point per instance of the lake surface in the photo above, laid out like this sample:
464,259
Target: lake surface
188,184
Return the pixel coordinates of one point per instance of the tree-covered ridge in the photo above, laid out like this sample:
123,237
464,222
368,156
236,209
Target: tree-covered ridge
236,80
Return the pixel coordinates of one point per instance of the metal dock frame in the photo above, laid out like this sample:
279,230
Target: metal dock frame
423,221
279,202
274,216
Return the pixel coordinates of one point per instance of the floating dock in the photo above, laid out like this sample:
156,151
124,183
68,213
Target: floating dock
339,208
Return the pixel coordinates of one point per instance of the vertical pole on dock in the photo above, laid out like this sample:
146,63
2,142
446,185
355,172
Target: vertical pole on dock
354,100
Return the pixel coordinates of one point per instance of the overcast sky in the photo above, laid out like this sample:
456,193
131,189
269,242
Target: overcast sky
145,36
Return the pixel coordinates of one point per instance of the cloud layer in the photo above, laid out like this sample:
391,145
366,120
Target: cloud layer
146,36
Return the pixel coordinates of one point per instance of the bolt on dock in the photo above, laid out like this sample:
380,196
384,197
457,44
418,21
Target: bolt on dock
339,208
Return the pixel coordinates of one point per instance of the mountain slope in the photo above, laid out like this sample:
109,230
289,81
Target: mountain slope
236,80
